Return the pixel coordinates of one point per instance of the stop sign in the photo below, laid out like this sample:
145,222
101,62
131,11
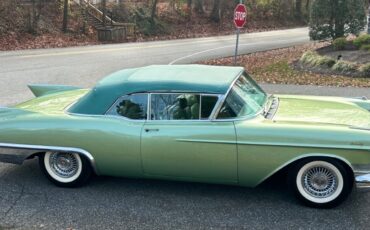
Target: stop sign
240,16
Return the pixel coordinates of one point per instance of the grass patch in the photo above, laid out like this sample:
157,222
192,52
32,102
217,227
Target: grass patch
365,47
362,40
340,43
314,59
365,69
344,67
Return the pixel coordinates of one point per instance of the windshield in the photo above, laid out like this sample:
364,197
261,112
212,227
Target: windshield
245,98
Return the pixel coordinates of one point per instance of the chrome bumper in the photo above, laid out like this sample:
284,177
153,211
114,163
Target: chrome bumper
363,181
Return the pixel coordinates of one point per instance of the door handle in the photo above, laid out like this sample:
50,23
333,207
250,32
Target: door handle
151,130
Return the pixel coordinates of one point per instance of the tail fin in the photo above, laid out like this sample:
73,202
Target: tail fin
42,90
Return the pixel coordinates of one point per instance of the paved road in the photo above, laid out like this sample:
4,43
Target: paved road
29,201
83,66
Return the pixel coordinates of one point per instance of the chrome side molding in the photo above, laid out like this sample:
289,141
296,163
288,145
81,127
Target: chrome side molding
360,128
364,98
18,153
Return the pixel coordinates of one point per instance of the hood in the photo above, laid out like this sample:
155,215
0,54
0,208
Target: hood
321,110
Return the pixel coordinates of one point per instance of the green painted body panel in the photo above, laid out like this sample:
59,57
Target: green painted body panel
330,110
266,146
175,151
42,90
240,152
183,78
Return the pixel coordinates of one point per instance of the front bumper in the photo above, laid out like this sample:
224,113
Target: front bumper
362,181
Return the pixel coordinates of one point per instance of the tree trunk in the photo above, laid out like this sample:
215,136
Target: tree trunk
308,6
154,9
338,19
216,11
65,16
104,8
190,6
199,6
368,20
298,9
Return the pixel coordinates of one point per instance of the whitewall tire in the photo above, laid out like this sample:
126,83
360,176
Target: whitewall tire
65,169
321,183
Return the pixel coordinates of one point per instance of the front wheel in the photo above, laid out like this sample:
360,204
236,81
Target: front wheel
65,169
321,183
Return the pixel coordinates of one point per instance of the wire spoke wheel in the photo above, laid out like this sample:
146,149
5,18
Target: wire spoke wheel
64,167
319,182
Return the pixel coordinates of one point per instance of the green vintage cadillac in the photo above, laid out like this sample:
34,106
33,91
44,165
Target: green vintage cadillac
192,123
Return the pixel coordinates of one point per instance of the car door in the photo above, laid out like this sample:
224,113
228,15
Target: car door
180,141
121,142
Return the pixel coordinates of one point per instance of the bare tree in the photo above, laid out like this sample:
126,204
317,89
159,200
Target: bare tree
34,15
199,6
154,9
368,20
65,16
216,11
190,6
298,9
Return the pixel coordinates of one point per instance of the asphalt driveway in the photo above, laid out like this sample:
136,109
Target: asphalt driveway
29,201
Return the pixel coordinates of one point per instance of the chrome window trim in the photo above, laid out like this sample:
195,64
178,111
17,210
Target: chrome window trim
148,107
106,115
180,93
126,118
220,104
52,148
223,101
200,107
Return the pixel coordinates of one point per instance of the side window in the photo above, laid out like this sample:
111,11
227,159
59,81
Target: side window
175,106
231,107
208,103
131,106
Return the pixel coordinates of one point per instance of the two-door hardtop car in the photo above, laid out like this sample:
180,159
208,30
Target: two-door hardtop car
192,123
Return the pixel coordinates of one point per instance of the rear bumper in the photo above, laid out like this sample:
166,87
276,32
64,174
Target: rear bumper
14,156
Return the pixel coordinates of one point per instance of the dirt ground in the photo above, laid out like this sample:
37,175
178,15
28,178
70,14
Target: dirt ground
277,67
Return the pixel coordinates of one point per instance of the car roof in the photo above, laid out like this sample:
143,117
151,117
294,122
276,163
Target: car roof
156,78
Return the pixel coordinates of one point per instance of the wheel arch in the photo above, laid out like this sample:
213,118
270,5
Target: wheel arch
18,153
289,164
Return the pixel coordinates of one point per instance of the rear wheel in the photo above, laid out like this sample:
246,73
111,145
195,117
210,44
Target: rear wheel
321,183
65,169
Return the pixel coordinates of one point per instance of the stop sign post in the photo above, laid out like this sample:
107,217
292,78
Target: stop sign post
240,19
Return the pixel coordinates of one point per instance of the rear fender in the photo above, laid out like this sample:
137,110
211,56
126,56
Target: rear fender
18,153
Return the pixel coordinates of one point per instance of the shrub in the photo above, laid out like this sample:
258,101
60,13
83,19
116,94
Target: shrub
340,43
365,70
308,57
362,40
314,59
333,19
365,47
149,25
344,67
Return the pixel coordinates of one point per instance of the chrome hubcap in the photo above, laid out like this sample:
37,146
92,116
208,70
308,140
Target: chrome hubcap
320,182
64,164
